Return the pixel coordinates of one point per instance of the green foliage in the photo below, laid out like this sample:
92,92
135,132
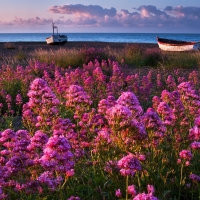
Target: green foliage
20,56
133,55
180,59
151,57
61,57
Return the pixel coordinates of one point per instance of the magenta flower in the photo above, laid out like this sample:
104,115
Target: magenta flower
171,84
70,173
19,99
57,155
48,179
144,196
148,196
129,165
8,98
43,104
74,198
190,98
118,193
105,104
137,130
37,144
194,132
131,190
119,116
75,96
159,81
129,100
166,114
166,96
150,189
102,139
195,145
156,101
185,155
154,125
41,94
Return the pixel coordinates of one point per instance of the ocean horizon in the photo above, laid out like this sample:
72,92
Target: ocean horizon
100,37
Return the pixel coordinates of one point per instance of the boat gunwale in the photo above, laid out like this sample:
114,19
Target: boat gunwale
178,44
171,42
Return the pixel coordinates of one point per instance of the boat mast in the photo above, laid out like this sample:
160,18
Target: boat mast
54,27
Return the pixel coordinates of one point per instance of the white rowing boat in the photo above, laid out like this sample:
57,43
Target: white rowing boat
177,45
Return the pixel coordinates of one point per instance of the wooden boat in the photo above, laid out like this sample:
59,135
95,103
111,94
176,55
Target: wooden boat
56,39
177,45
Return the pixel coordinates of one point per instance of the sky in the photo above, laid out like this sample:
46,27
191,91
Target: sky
102,16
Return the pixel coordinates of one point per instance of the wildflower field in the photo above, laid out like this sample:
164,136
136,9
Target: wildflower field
101,131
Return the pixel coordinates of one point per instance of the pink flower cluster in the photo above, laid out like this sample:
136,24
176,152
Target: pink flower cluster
138,196
76,96
129,165
57,155
190,98
185,156
42,106
194,132
49,158
130,100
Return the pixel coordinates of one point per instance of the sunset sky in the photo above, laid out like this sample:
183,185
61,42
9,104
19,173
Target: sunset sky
120,16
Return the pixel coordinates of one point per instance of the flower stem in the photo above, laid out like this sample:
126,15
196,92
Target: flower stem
180,183
126,187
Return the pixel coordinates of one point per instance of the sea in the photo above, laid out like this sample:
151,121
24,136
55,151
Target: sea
100,37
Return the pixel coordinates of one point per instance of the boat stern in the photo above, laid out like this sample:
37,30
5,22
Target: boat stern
196,46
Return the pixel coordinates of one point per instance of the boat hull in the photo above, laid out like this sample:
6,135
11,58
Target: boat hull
176,45
176,48
56,40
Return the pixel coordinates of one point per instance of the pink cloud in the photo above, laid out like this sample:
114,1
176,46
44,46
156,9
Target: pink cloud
97,16
31,21
91,10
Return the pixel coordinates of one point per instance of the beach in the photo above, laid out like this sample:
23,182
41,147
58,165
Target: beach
12,48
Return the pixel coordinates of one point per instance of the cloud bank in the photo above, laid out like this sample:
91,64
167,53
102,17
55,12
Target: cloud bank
186,18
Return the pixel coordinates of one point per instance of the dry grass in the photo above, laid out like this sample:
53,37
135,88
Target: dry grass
61,57
134,55
9,45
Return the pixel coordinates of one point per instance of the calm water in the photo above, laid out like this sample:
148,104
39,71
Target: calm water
101,37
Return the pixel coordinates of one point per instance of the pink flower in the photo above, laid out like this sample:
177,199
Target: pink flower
19,99
74,198
130,100
150,189
131,190
194,132
105,104
195,145
118,116
118,193
70,173
166,113
153,124
186,155
156,101
128,165
57,155
148,196
77,96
